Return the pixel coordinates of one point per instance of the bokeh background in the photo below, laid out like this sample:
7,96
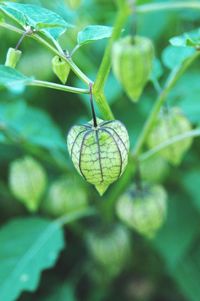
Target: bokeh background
166,268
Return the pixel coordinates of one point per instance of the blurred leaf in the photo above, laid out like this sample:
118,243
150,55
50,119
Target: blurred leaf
10,77
93,33
39,18
27,246
31,124
190,183
188,39
64,292
180,230
173,56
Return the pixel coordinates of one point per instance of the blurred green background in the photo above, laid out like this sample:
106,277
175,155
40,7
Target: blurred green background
166,268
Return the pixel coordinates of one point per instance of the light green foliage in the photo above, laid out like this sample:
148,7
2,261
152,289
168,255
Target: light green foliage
132,60
188,39
10,77
99,154
65,195
61,68
73,4
110,247
143,210
93,33
13,57
27,181
27,247
168,125
40,19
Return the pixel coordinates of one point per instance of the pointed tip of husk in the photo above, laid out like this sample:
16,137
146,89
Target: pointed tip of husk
101,188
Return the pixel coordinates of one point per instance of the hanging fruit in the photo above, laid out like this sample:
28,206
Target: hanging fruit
27,180
61,68
65,195
143,210
99,150
12,57
110,248
132,60
169,125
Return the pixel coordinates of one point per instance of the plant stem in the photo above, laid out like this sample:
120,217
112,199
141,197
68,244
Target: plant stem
39,39
173,140
40,83
71,217
146,8
173,78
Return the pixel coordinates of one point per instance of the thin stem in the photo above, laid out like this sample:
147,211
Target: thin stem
69,218
92,108
173,78
39,39
171,141
26,32
146,8
40,83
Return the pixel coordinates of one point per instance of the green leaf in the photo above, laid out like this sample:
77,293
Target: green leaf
93,33
173,56
20,120
10,77
61,292
39,18
27,247
188,39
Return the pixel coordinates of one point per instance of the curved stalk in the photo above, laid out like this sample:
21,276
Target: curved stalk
147,8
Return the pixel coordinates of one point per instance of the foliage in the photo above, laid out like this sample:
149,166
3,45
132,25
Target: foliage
59,239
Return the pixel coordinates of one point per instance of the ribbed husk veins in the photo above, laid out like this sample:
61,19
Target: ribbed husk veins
12,57
110,248
27,180
169,125
144,211
132,59
99,154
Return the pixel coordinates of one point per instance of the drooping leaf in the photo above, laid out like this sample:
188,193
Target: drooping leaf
32,125
10,77
93,33
27,247
39,18
173,56
188,39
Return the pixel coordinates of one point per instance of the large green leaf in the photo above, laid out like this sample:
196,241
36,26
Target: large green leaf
10,77
93,33
32,125
188,39
39,18
27,246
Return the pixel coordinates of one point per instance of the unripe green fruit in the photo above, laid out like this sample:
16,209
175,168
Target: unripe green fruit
154,169
27,180
73,4
132,60
144,211
13,57
66,195
61,68
169,125
100,154
110,248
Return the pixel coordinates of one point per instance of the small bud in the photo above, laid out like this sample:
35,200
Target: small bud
169,125
110,248
61,68
100,154
27,180
13,57
144,211
65,195
132,60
